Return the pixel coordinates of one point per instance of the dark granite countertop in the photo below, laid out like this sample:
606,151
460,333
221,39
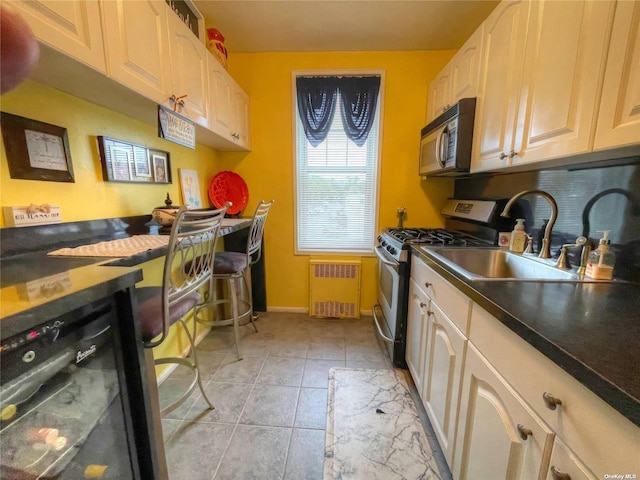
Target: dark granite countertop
590,330
36,287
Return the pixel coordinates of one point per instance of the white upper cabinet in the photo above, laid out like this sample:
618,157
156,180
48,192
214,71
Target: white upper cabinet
619,116
71,27
459,79
465,68
241,126
505,33
439,93
220,87
229,116
137,46
564,61
189,70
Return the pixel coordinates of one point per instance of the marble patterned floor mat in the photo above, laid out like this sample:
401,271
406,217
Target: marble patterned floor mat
373,428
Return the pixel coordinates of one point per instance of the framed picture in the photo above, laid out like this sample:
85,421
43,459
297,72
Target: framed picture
159,167
128,162
190,188
36,150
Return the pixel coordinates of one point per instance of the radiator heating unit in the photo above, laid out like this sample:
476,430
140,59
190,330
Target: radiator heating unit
334,288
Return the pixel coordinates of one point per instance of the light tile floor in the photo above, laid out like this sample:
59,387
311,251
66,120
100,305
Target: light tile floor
270,408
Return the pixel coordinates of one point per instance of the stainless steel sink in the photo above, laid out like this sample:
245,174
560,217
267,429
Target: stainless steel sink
486,264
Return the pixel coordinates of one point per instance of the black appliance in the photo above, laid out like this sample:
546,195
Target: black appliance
64,401
472,223
445,143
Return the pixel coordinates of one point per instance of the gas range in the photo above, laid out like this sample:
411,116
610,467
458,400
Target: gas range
396,242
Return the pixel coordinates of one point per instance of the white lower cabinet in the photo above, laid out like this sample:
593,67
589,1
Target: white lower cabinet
489,396
442,372
564,464
499,436
417,332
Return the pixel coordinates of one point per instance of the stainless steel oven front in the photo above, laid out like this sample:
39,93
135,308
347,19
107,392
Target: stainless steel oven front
390,313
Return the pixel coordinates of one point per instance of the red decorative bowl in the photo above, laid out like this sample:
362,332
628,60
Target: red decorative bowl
226,187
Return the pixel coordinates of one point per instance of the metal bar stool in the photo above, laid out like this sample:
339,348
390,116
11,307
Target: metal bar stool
234,269
187,267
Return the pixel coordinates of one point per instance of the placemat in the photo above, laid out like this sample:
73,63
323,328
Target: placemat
123,247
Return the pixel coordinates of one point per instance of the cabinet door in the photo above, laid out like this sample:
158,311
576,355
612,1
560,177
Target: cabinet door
619,116
189,70
500,80
498,436
241,117
137,47
439,93
564,465
220,87
442,373
465,67
72,27
417,333
565,53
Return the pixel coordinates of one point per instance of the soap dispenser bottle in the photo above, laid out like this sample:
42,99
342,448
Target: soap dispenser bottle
602,260
518,237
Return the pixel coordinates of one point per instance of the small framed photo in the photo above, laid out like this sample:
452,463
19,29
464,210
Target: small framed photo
127,162
36,150
159,162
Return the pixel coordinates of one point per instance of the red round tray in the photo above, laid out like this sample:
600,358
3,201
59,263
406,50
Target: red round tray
226,187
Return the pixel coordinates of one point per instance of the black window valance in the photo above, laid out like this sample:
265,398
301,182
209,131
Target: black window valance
317,103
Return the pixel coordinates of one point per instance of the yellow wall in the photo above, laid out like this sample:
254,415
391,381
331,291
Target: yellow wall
90,197
268,169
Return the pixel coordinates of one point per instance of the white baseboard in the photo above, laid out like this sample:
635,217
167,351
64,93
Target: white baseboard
288,309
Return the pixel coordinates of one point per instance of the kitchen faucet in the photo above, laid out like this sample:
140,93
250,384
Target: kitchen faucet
545,250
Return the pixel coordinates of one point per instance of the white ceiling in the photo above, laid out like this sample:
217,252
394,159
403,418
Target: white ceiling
336,25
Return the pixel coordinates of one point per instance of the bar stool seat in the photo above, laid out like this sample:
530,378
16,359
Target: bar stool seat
230,268
188,267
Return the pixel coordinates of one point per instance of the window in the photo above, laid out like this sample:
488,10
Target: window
337,184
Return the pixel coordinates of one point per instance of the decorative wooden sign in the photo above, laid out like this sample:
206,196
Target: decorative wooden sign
174,127
31,215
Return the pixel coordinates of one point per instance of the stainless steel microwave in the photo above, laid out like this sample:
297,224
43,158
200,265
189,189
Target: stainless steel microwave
445,143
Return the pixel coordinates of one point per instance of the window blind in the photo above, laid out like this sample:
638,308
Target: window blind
336,185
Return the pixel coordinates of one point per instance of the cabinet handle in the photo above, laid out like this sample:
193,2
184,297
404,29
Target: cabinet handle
558,474
513,153
524,432
503,156
428,284
550,401
422,305
429,312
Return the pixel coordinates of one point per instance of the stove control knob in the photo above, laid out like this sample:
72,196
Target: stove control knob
392,250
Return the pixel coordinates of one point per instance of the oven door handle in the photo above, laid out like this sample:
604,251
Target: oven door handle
384,260
375,319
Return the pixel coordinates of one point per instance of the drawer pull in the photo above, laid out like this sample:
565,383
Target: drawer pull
550,401
558,474
422,304
428,284
429,312
524,432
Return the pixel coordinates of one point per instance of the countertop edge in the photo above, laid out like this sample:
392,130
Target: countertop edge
615,396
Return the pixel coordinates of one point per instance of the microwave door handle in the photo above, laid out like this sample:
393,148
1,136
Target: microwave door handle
444,146
438,146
